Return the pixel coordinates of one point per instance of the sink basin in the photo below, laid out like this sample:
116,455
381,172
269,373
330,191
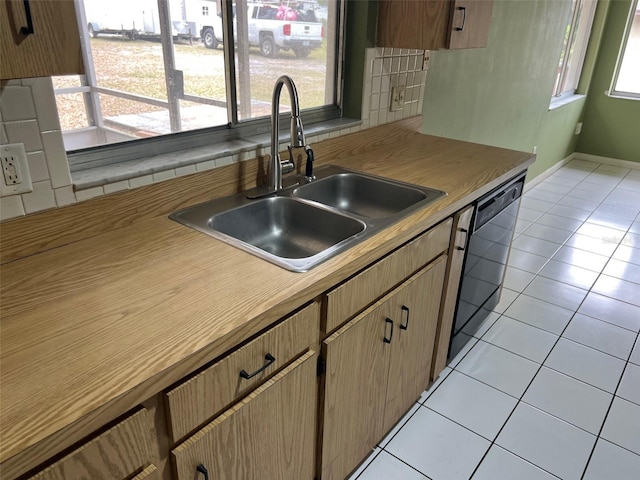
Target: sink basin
285,227
303,225
363,195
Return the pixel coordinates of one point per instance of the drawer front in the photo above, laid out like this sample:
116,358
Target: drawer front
270,434
355,294
115,455
197,400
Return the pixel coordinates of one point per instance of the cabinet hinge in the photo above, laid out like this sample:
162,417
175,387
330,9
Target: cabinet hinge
322,366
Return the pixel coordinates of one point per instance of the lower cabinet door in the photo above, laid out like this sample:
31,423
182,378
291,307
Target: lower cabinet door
271,434
414,310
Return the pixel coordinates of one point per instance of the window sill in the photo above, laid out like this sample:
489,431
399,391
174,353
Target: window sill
159,167
562,101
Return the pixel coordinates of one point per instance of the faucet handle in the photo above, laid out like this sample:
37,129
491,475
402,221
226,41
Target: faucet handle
308,173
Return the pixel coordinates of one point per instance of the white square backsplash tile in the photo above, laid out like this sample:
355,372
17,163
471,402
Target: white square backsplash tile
41,198
16,104
56,158
385,68
26,132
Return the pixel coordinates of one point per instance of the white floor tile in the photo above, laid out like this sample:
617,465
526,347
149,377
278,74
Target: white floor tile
386,466
534,204
526,261
507,297
517,280
548,233
486,324
573,202
569,399
601,232
498,368
627,254
500,464
521,338
474,405
556,221
470,343
546,441
629,388
581,258
591,244
554,188
611,310
544,195
374,453
539,313
603,336
570,212
622,425
586,364
607,220
635,354
407,416
521,226
570,274
617,288
631,240
558,293
624,198
438,447
635,227
586,197
609,461
432,388
528,214
536,246
626,271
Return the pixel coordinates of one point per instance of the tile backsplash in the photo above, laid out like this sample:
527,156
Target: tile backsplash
28,115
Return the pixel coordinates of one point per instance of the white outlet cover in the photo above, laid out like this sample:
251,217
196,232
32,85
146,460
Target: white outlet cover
15,154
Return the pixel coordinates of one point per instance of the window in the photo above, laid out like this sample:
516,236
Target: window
626,79
159,67
574,47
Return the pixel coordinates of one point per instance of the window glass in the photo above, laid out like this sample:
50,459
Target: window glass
627,78
155,67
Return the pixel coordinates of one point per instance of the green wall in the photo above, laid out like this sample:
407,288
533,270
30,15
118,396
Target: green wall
610,124
499,95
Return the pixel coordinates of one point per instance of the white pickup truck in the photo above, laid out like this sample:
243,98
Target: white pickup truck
272,27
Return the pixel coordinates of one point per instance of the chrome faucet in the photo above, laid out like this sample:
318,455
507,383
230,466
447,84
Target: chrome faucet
278,167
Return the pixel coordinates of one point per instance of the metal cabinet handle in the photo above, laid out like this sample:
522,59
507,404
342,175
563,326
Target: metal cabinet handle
464,18
460,248
28,30
269,360
201,469
406,324
463,230
389,321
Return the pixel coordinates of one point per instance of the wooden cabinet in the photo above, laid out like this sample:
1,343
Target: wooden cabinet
433,24
52,49
197,400
376,367
116,454
270,434
461,223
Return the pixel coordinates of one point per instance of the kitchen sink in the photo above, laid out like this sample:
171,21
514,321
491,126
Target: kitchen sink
365,196
302,225
286,227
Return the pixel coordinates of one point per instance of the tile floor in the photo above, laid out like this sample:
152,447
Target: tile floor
550,385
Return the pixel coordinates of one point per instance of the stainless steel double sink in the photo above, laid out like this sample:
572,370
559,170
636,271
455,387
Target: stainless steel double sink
305,224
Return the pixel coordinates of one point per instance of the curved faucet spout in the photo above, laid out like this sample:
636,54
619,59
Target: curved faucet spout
277,167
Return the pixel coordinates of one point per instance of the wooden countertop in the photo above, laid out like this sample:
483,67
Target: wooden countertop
93,327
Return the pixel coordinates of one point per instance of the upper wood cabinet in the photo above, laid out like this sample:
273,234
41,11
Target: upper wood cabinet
52,49
433,24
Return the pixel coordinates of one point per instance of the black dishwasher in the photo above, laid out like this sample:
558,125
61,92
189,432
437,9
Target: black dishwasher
485,262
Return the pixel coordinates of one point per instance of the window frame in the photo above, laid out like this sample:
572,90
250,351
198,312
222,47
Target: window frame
579,34
612,92
112,154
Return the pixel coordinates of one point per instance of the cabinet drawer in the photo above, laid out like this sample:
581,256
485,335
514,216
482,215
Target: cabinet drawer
116,454
197,400
149,473
355,294
270,434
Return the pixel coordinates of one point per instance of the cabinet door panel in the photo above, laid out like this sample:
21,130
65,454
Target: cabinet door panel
461,222
413,24
470,22
413,344
53,48
270,434
355,388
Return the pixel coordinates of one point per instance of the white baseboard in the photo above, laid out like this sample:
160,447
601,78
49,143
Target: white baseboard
606,160
548,172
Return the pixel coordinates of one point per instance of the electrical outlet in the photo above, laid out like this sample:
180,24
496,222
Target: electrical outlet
397,98
578,128
15,176
426,59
